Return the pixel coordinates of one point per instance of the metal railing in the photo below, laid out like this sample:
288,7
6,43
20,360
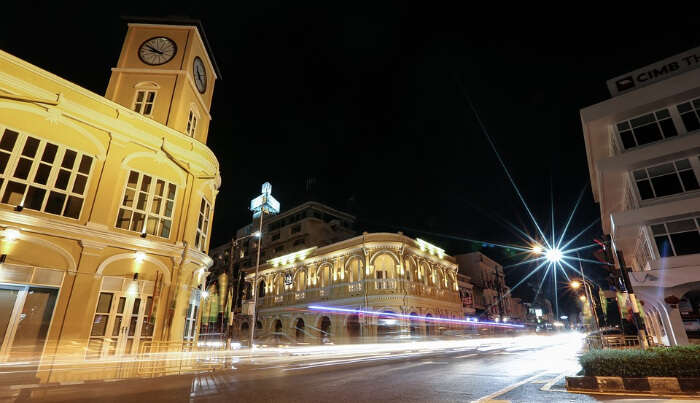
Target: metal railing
159,358
618,342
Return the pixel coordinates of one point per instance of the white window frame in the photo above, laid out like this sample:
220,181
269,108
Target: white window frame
140,107
672,115
192,120
694,162
192,315
56,169
203,225
668,233
694,108
147,211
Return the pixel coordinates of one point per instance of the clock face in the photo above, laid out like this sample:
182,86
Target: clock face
158,50
200,75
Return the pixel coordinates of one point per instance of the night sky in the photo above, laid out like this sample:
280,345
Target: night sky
363,100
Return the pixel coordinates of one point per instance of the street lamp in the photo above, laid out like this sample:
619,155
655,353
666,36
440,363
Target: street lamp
553,255
576,284
261,205
234,244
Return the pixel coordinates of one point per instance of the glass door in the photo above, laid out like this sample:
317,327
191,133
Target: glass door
25,316
33,323
120,324
9,297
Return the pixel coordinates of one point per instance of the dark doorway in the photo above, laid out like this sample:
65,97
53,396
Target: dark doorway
325,330
300,329
353,327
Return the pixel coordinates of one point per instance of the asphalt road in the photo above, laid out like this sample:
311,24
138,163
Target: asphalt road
490,373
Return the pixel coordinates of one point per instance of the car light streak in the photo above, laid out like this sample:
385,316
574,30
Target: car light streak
405,316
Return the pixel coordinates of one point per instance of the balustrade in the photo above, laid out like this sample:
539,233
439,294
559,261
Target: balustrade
355,287
342,290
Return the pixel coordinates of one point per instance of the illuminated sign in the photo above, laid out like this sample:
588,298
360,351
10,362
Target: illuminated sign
658,71
430,248
265,202
291,258
538,312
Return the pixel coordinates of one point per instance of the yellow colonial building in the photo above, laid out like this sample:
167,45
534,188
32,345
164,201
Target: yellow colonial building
106,202
379,272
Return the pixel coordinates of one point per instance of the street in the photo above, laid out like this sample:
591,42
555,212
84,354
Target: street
529,369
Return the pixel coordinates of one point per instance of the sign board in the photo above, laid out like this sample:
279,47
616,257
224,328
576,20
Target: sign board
265,202
288,279
655,72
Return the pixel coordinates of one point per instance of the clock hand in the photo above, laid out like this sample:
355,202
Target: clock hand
154,50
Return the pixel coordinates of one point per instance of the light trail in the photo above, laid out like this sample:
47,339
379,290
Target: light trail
405,316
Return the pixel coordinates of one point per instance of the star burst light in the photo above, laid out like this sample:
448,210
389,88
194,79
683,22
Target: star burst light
551,253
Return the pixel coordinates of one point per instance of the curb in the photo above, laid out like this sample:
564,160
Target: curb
616,384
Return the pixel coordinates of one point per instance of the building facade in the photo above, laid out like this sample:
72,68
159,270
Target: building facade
643,149
491,294
106,201
304,226
379,272
466,295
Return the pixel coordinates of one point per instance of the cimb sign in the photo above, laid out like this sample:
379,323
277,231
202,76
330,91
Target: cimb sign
662,70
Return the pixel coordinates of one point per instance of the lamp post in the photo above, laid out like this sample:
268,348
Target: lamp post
638,322
234,244
575,284
261,205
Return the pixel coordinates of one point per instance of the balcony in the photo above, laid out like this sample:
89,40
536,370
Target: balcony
369,287
385,284
355,287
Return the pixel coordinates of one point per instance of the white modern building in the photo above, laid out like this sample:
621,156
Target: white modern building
643,146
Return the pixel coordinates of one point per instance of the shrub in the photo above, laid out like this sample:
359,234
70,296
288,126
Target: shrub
679,361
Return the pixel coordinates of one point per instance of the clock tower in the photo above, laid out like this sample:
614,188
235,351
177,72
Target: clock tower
166,72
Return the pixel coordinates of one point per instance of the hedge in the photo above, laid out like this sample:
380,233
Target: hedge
679,361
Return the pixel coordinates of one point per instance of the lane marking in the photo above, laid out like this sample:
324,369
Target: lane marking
551,383
466,355
509,388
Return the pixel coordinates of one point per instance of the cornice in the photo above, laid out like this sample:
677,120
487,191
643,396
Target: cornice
105,123
96,236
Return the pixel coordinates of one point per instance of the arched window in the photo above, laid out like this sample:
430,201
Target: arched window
261,289
192,120
384,269
409,269
145,97
324,275
353,268
301,277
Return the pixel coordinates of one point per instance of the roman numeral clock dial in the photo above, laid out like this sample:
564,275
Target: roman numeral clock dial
158,50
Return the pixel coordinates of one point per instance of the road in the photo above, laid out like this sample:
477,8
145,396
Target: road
516,371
